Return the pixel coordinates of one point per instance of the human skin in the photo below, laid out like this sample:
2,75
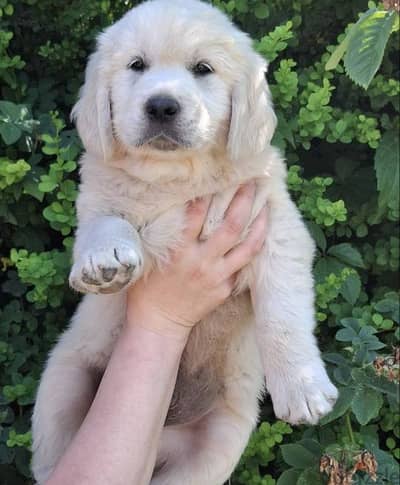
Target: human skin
117,442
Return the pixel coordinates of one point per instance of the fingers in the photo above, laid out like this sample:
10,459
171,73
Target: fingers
196,213
226,288
244,252
235,220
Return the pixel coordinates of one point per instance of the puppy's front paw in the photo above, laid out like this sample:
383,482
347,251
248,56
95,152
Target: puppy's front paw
304,395
106,270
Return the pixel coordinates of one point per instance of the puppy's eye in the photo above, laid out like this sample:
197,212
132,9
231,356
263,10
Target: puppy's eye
137,65
202,69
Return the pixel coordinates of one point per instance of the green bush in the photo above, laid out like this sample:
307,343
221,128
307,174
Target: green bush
341,144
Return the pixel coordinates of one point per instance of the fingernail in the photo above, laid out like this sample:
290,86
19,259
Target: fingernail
262,214
265,212
248,186
195,201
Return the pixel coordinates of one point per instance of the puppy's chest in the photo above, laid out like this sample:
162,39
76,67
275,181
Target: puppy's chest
144,206
159,213
141,203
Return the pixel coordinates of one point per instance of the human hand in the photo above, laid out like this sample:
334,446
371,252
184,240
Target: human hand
201,274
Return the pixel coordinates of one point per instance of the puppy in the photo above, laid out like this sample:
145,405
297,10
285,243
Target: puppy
175,106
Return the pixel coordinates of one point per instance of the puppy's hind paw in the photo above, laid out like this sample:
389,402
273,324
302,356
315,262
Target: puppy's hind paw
304,396
106,270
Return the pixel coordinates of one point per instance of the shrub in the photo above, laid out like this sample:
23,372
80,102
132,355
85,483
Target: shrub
342,147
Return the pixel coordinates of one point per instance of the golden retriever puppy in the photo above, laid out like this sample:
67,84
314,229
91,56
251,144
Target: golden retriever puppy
175,106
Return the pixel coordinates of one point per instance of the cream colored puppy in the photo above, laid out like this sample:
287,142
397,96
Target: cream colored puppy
175,106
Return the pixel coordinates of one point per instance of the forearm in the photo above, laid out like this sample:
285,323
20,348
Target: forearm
117,442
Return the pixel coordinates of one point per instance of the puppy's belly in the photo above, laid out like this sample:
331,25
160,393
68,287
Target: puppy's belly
194,395
204,365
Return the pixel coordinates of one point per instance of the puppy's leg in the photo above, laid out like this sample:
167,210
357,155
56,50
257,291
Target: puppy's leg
203,453
206,452
108,255
65,393
283,300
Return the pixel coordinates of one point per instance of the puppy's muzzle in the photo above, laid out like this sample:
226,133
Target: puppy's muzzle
162,109
162,112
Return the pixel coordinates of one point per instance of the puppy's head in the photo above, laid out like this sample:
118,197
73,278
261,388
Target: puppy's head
174,75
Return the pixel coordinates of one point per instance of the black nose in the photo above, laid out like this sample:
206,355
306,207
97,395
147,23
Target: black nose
162,108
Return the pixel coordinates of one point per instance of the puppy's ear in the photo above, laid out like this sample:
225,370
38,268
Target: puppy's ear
92,112
253,120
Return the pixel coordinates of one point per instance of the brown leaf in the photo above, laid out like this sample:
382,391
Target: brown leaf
392,5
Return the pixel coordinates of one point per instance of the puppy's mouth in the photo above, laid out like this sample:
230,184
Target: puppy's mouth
164,142
163,139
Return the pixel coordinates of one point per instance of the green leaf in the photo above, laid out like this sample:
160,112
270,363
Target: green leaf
326,266
388,466
390,306
48,138
337,54
351,288
11,110
346,335
387,168
50,149
343,403
10,133
367,42
351,322
374,344
70,166
346,253
333,358
366,405
31,188
298,456
283,133
48,186
261,11
318,235
312,445
311,476
289,477
242,6
342,374
7,454
396,25
378,383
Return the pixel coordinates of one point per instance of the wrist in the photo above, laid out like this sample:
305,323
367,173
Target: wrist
157,322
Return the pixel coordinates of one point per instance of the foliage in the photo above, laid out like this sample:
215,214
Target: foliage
364,44
342,149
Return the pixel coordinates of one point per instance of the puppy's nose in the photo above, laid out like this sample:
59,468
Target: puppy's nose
162,108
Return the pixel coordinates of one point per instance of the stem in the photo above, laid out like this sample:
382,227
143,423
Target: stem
349,428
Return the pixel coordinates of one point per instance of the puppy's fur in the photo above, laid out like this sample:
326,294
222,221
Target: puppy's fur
135,180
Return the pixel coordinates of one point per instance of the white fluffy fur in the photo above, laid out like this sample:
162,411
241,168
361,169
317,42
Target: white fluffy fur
131,212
